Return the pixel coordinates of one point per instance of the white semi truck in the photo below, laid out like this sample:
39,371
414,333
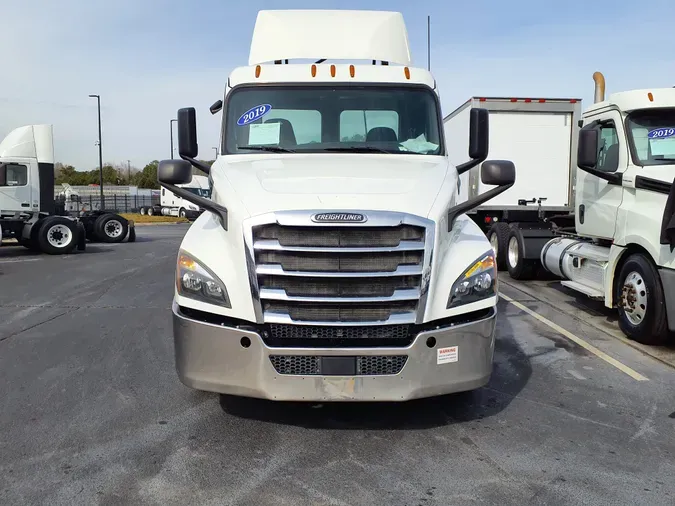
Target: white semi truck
29,211
334,262
616,243
171,204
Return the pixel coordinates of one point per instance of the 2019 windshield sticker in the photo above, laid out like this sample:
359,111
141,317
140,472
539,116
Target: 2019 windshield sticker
661,133
253,114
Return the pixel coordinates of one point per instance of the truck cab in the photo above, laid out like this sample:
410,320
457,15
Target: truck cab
622,249
333,262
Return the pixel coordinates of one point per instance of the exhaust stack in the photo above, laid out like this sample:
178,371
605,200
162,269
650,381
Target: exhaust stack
599,86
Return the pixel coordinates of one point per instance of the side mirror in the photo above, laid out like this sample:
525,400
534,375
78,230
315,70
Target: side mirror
587,150
174,172
498,172
187,133
217,106
479,133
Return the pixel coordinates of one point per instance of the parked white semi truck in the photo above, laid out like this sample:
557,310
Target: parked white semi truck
171,204
334,262
540,136
616,244
29,212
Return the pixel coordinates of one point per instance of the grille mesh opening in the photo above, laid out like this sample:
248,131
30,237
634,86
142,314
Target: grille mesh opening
310,365
336,287
340,313
340,262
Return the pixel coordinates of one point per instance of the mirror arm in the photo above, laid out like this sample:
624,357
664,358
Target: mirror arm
615,178
209,205
462,208
463,167
197,164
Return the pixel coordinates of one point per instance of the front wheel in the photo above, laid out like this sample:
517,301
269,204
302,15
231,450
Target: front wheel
182,213
641,301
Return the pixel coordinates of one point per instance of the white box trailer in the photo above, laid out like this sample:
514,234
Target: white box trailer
540,136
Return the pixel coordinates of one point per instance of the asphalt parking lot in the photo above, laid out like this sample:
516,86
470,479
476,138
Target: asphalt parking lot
93,413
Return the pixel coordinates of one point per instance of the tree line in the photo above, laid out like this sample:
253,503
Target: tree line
118,175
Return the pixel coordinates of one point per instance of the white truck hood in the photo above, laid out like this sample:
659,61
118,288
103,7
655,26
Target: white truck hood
267,183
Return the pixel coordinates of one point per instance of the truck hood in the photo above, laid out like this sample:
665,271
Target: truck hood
404,183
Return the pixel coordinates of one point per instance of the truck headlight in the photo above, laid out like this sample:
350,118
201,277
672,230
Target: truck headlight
195,281
476,283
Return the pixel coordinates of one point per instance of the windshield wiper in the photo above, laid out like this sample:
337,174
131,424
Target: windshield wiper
273,149
359,149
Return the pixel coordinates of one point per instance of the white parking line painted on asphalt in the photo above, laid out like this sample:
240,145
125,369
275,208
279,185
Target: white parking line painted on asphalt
595,351
19,260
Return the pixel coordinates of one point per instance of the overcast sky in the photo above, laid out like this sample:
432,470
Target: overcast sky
147,58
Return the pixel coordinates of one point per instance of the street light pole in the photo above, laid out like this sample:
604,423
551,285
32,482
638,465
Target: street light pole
100,149
171,131
129,171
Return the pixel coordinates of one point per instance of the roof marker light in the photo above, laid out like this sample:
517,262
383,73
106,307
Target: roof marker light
332,70
313,70
650,96
352,70
257,70
406,71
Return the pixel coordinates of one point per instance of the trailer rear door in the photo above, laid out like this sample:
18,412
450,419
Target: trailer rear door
539,144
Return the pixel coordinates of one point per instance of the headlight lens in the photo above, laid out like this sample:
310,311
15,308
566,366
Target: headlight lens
476,283
195,281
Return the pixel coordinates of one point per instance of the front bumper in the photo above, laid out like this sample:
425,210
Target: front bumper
212,358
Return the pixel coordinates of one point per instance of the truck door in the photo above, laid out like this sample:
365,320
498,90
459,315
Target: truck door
15,189
597,200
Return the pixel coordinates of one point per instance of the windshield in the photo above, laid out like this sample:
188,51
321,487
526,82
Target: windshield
313,119
200,191
652,134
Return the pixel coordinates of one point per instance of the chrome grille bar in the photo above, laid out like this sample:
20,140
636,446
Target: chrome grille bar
339,275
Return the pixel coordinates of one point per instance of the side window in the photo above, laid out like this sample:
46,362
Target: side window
608,148
297,126
360,126
14,175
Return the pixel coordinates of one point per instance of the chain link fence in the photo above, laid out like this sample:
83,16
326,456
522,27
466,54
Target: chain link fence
117,203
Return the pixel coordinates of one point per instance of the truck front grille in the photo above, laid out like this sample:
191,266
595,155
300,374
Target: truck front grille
310,365
359,275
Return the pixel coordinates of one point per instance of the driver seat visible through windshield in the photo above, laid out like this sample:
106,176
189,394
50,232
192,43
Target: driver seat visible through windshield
381,134
286,133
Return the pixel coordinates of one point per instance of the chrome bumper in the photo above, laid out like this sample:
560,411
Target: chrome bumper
212,358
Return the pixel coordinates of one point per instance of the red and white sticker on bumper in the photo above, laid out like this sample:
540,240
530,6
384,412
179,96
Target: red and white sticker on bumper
447,355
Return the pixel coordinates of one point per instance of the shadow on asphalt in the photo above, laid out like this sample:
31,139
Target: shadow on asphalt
512,371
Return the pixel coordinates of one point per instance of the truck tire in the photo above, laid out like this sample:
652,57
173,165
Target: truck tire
498,235
57,236
143,210
151,211
519,268
111,228
641,302
182,213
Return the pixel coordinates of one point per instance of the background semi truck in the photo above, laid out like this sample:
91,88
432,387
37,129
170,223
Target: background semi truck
171,204
29,211
540,136
613,239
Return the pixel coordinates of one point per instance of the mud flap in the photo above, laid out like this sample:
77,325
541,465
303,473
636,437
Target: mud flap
131,237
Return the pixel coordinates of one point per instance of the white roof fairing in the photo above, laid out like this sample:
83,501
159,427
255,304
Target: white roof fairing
31,141
330,34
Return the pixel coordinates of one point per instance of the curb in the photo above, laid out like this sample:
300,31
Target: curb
136,224
650,351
